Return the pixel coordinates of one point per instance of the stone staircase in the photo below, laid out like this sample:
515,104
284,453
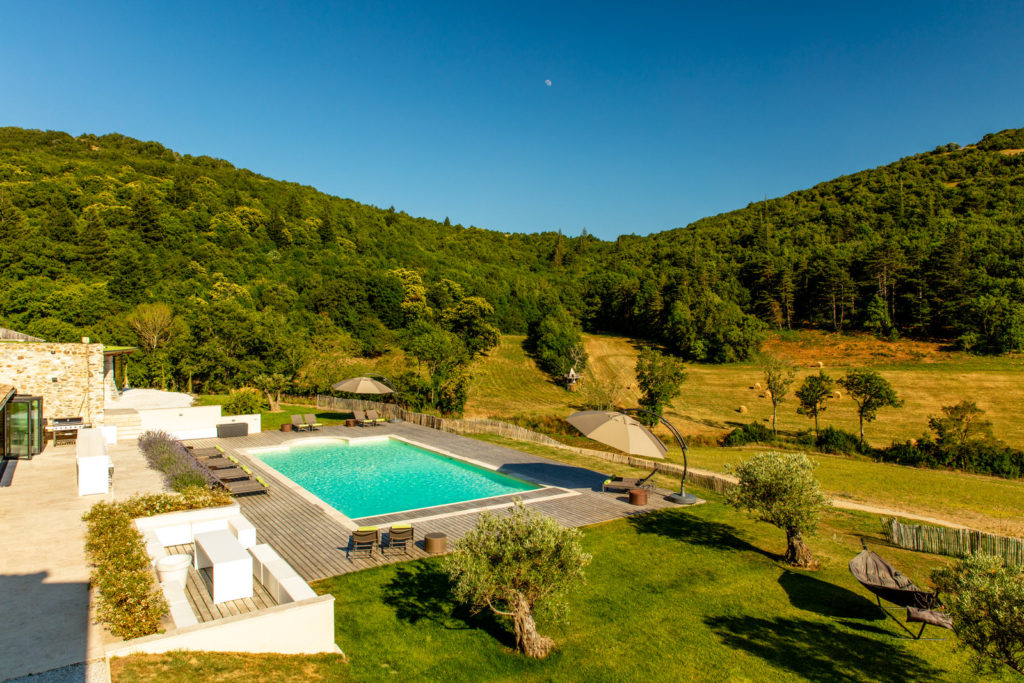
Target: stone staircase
128,423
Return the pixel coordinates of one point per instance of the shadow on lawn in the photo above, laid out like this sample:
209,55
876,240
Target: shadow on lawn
827,599
821,651
681,526
420,591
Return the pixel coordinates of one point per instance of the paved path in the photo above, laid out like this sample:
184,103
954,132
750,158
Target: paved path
44,579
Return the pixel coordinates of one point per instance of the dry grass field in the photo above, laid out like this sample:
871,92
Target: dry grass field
507,383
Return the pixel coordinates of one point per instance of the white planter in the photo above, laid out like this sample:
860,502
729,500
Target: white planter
173,568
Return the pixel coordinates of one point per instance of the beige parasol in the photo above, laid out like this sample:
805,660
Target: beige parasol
618,431
362,385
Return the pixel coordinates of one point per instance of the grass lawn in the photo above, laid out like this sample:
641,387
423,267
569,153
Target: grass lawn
271,422
696,594
987,503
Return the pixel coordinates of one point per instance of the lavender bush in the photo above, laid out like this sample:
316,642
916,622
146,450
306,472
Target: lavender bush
165,453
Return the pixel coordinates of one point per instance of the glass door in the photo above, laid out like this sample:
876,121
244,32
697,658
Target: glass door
19,429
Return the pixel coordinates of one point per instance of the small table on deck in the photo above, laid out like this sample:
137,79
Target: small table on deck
638,497
231,563
435,543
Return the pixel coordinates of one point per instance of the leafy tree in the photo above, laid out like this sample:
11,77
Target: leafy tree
778,377
878,320
443,355
961,424
469,320
780,489
244,401
277,231
815,391
985,598
326,229
516,565
154,325
145,217
660,379
273,386
871,392
557,343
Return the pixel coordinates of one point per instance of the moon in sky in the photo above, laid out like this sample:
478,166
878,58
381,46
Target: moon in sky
547,82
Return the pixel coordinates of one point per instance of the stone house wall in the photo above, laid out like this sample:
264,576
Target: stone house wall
69,377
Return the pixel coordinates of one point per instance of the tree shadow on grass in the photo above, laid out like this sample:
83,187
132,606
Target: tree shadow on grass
827,599
681,526
821,651
421,591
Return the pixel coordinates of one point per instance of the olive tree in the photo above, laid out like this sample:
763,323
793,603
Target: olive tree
515,565
985,599
779,488
660,379
778,377
871,392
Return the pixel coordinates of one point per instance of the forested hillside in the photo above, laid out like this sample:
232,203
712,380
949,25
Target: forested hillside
258,275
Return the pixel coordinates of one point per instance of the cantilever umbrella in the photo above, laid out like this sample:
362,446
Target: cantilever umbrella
362,385
618,431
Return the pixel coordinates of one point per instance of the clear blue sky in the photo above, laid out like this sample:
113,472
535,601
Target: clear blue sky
655,115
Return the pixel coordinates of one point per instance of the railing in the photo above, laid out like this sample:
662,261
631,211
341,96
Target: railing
941,540
709,480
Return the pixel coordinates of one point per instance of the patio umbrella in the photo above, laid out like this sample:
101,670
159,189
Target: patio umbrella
618,431
363,385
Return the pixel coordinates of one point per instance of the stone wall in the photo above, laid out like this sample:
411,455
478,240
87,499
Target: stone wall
69,377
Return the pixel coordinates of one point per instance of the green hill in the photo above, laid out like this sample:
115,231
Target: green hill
260,274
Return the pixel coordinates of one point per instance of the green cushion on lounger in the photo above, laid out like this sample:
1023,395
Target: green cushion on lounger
401,526
367,528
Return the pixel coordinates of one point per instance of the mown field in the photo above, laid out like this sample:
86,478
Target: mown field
697,594
507,383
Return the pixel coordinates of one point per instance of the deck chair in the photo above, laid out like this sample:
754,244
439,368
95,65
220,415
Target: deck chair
298,424
885,583
311,422
374,417
360,418
400,536
363,540
625,484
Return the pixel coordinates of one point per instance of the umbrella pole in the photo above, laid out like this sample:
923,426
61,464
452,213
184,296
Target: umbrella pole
683,498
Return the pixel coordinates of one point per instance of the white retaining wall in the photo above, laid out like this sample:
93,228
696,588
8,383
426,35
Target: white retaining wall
196,422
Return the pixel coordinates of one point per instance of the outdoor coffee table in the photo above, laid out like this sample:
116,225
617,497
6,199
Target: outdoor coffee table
231,564
638,497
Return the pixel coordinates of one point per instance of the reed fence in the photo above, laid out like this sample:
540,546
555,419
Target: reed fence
715,482
941,540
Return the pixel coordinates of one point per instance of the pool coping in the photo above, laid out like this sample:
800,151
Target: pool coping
351,524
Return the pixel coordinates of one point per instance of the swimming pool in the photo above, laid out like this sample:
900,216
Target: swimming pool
367,477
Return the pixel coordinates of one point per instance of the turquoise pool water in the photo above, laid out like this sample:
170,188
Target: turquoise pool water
362,479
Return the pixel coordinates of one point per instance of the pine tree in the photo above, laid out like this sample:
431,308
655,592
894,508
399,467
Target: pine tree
145,218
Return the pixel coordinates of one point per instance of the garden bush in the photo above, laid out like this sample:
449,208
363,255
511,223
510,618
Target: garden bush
165,453
755,432
244,401
130,603
832,440
979,457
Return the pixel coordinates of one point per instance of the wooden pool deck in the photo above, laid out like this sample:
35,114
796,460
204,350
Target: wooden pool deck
314,538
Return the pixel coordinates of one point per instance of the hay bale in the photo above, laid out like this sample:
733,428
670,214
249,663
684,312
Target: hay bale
757,386
837,394
768,394
741,410
820,364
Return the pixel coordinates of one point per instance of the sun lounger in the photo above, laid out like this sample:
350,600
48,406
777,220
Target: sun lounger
205,453
311,422
361,419
217,463
400,536
364,539
625,484
298,424
245,487
230,474
374,417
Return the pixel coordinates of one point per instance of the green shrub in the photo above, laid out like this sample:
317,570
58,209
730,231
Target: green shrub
755,432
244,401
130,602
832,440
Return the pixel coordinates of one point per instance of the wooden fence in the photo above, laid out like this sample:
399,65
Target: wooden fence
715,482
942,540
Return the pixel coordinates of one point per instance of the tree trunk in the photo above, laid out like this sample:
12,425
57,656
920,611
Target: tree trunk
527,639
862,429
797,552
275,406
815,426
774,413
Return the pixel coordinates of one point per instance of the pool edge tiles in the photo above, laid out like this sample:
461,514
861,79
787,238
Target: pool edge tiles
328,495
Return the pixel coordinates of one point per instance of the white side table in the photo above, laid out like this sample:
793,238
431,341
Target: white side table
231,564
